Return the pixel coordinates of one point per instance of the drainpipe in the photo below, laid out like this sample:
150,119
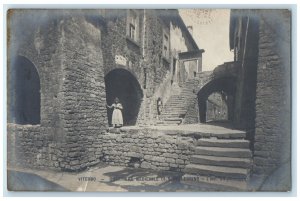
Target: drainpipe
144,67
246,36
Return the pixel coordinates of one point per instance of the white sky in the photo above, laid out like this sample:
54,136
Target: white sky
211,33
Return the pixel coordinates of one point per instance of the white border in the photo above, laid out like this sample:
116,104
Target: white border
157,4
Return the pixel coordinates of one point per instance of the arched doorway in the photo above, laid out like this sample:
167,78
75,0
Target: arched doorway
225,87
216,107
23,92
122,84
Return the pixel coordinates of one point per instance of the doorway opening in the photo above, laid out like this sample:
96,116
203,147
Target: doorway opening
23,92
122,84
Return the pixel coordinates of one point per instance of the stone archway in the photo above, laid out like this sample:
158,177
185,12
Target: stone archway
24,99
122,84
225,86
216,107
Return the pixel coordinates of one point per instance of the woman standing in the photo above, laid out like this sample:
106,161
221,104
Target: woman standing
117,118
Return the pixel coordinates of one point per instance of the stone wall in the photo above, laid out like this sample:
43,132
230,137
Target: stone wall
147,148
116,42
84,105
158,68
66,50
36,36
28,145
72,51
192,114
143,58
273,115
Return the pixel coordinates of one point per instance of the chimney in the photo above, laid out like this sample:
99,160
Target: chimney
190,28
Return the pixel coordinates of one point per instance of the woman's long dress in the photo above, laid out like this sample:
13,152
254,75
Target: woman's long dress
117,118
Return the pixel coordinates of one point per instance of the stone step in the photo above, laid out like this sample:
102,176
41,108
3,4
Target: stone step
178,102
175,105
175,111
166,116
188,92
217,134
171,116
173,119
170,113
238,143
164,122
183,101
188,88
178,98
226,152
175,100
218,171
172,108
221,161
171,105
173,97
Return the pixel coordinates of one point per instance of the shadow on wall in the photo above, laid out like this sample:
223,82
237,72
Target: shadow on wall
122,84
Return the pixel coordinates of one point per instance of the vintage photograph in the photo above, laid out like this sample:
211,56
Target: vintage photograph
149,100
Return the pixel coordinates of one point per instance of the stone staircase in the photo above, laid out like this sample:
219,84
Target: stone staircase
225,162
176,107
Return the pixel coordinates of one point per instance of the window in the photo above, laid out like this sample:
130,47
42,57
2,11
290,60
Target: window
166,46
132,31
133,25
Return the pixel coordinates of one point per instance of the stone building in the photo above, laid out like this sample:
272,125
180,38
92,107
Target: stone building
65,66
261,40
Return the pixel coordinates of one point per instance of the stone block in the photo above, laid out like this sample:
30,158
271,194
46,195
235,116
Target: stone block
179,161
146,165
150,141
170,160
158,159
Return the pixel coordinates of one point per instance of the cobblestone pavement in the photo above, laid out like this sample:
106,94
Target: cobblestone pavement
103,178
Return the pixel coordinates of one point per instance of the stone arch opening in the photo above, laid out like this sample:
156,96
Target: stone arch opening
216,107
24,99
226,88
122,84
